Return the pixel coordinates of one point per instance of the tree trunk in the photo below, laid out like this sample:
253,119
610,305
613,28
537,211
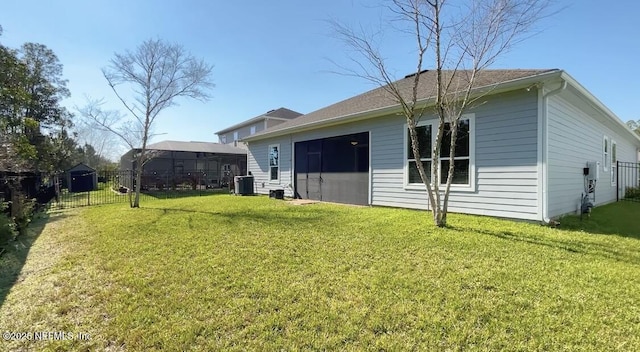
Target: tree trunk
136,201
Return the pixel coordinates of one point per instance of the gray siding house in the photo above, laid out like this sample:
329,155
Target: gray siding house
523,149
233,135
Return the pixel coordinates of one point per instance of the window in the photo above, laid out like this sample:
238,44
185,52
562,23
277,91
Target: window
253,130
424,145
614,162
223,139
462,175
605,154
235,135
274,162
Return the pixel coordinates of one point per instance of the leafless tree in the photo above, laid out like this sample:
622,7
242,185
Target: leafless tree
105,143
634,125
154,75
460,40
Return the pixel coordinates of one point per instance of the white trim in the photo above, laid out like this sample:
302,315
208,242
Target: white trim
540,149
471,186
276,181
370,172
292,173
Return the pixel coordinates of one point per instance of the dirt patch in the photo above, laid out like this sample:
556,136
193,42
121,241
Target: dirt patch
302,201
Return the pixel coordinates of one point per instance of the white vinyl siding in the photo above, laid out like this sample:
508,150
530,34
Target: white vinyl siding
576,136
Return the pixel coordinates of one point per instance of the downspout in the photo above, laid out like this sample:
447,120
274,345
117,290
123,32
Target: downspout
545,148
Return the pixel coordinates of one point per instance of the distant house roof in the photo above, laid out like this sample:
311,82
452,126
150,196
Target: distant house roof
380,99
81,167
277,114
198,147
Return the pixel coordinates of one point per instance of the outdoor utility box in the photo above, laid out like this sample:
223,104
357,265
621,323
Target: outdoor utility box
243,185
276,193
592,171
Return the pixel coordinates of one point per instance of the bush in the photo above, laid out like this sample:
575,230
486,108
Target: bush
7,231
632,192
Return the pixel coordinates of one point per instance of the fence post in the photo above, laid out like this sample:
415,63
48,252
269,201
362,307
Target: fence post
617,181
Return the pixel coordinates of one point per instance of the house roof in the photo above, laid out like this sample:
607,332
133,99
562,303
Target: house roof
81,166
380,99
278,114
198,147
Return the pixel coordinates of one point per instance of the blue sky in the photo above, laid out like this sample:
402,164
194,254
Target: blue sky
269,54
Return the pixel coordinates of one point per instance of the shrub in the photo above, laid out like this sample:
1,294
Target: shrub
7,231
632,192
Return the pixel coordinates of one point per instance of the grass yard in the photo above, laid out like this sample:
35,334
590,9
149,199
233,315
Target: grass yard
250,273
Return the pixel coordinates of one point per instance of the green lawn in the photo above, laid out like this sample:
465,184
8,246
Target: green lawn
250,273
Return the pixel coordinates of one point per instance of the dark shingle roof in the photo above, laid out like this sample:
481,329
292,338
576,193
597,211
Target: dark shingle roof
198,147
281,113
379,98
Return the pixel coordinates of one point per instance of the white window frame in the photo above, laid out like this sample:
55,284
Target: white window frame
606,151
223,139
235,136
277,180
471,186
252,130
614,161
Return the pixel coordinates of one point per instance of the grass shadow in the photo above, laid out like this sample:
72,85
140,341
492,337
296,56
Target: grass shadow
16,252
284,216
620,219
170,194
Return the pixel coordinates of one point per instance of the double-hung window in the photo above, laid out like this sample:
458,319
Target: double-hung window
463,157
605,154
274,162
614,162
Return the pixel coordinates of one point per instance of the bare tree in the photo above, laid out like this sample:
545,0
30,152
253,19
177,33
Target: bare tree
156,73
460,40
105,143
634,125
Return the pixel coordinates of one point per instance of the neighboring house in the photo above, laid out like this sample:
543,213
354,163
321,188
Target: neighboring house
235,133
176,162
522,151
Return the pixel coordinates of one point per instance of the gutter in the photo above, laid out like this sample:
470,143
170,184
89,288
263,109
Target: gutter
598,104
490,89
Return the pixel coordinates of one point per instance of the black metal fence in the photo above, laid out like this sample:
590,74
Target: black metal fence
84,188
628,181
